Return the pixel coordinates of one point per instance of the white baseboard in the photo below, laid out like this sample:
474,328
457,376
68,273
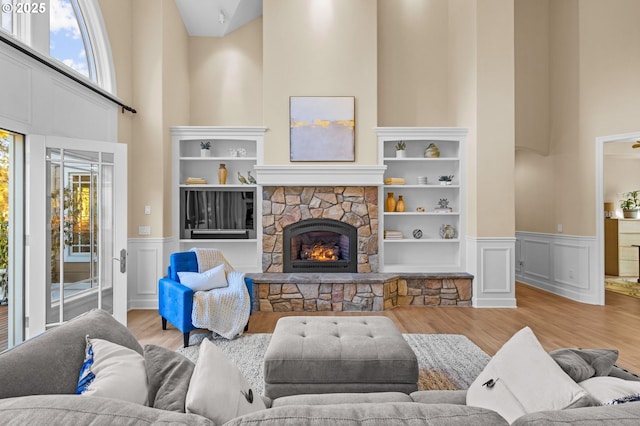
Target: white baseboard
561,264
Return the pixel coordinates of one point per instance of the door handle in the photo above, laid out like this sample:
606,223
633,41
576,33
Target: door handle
122,260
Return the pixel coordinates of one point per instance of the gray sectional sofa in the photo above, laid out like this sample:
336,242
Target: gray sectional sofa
38,380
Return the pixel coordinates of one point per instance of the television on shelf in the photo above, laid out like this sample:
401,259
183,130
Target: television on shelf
217,214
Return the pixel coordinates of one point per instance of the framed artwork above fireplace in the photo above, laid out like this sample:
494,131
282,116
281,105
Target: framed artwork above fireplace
322,128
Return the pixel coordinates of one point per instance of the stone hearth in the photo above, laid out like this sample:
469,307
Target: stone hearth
371,292
285,205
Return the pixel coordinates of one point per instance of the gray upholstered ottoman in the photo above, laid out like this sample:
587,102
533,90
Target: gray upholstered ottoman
338,354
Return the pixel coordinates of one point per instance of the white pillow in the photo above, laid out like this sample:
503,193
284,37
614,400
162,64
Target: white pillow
525,380
217,389
212,278
113,371
611,390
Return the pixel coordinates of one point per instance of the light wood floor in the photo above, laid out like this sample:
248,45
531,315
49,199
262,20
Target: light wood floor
556,321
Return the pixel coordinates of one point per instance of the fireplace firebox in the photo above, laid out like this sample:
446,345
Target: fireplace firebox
320,245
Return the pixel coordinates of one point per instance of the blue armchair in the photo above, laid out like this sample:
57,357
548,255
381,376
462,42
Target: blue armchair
175,301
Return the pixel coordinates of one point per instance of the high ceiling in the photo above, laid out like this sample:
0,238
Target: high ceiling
217,18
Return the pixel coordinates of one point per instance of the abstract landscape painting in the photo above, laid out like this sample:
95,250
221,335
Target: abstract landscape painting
322,128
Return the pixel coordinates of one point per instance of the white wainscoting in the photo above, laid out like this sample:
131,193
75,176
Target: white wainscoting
148,260
491,261
561,264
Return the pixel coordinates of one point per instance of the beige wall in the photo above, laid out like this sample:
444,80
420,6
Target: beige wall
462,88
534,192
149,46
594,49
226,78
117,18
412,63
481,93
117,15
496,120
319,48
532,75
175,98
146,154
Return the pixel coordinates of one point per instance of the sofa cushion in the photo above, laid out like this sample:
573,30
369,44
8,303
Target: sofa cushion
581,364
341,398
440,397
64,410
374,414
113,371
523,378
57,355
217,389
169,373
211,278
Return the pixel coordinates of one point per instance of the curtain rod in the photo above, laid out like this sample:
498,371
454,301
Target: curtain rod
9,41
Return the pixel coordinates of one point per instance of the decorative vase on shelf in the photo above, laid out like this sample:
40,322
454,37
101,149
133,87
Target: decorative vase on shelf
222,174
432,151
400,206
448,232
390,204
205,153
400,153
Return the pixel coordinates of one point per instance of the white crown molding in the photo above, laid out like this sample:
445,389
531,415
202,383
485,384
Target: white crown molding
447,132
322,175
216,131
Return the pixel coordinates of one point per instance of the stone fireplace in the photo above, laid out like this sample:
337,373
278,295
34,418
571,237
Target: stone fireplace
320,212
320,245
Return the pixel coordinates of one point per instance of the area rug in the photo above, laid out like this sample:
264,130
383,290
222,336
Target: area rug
626,286
446,361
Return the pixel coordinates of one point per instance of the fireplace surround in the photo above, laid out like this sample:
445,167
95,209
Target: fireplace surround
356,206
320,245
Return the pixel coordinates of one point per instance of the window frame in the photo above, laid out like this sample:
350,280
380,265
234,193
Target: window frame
33,30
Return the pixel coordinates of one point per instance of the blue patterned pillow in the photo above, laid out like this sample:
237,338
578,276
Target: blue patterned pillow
625,399
86,375
113,371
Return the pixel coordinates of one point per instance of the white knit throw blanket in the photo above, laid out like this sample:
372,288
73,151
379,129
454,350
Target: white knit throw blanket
224,311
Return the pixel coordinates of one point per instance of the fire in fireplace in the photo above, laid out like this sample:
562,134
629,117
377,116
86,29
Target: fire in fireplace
320,251
320,245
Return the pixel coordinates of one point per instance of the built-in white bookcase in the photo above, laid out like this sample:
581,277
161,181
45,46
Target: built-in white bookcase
240,149
431,252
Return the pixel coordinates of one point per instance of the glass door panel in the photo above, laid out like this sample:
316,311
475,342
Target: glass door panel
81,243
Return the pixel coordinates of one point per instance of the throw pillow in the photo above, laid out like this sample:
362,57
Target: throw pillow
217,389
113,371
212,278
581,364
612,390
523,378
169,374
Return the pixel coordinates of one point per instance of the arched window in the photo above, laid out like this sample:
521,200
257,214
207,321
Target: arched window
68,39
70,31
